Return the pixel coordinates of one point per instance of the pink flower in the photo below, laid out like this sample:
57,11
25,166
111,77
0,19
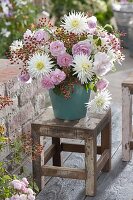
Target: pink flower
57,48
92,24
123,1
16,184
57,76
24,77
47,82
82,47
24,180
102,64
40,35
102,84
23,188
64,60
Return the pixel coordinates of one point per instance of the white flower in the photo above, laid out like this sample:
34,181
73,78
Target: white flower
5,32
16,45
40,64
27,34
82,65
100,103
75,22
102,63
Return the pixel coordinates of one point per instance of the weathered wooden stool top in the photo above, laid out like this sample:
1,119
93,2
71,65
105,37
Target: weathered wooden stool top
94,124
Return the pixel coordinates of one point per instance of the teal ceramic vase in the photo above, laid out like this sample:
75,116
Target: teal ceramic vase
73,108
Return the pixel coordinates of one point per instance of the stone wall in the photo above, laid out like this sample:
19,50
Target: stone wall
29,101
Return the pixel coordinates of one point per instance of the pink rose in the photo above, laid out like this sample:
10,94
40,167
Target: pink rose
57,76
102,84
64,60
47,82
82,47
57,48
40,35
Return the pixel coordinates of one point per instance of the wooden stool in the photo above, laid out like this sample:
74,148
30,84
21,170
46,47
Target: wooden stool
127,143
47,125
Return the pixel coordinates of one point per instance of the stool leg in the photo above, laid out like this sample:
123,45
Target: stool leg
39,160
90,165
126,123
56,156
106,143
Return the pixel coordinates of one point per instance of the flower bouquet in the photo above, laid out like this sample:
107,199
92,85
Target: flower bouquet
77,54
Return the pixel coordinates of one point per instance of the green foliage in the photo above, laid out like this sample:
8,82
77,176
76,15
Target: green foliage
100,8
16,24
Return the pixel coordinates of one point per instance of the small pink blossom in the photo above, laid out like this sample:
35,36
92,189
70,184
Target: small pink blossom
47,82
24,77
57,48
64,60
57,76
40,35
82,47
102,84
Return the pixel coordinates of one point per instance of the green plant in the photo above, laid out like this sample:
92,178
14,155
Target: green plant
100,8
15,18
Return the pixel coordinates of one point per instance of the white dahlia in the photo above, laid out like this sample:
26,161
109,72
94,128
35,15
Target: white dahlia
16,45
75,22
100,103
82,66
39,65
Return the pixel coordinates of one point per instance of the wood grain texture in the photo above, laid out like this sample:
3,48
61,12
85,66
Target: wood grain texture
64,172
106,139
39,161
90,166
102,161
126,123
